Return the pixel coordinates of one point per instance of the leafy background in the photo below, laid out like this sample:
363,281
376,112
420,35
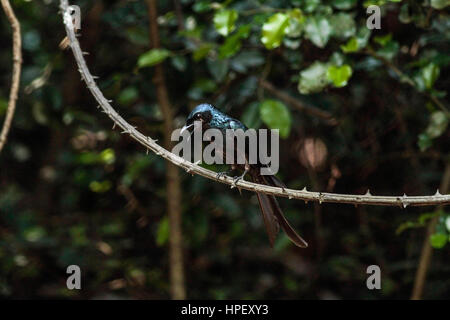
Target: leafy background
74,191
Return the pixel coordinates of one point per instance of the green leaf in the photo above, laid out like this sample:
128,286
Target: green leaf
274,29
201,52
438,124
318,30
429,74
296,22
440,4
250,117
233,43
218,69
152,57
424,142
343,25
344,4
383,40
224,21
339,75
438,240
362,36
314,78
357,42
128,95
276,116
389,51
100,186
179,63
404,16
350,46
247,59
162,234
310,5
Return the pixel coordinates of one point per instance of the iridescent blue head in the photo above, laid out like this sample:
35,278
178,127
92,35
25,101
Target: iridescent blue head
205,113
210,117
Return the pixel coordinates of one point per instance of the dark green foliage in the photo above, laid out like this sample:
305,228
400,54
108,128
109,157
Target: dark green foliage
74,191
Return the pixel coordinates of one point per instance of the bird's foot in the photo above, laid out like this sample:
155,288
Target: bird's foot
237,178
222,174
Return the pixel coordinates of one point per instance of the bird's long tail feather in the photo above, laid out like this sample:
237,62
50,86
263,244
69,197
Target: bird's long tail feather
273,216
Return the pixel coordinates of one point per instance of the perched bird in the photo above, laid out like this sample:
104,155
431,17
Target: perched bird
273,217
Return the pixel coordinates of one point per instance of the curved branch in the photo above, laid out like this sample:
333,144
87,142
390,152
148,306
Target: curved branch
17,66
150,144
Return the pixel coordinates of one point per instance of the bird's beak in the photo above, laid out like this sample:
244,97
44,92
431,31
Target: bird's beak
187,127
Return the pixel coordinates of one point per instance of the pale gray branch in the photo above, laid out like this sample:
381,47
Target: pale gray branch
150,144
17,67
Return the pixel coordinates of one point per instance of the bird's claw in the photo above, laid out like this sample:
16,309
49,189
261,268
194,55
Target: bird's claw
237,178
220,175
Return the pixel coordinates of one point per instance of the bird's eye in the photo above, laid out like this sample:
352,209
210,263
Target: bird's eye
198,116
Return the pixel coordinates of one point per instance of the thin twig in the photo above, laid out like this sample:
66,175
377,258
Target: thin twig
173,197
328,117
17,67
427,250
150,144
406,78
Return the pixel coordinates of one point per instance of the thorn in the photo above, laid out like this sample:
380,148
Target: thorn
437,194
304,189
109,101
197,162
320,198
232,186
240,191
114,126
306,201
289,197
147,151
368,193
188,170
95,77
85,53
404,203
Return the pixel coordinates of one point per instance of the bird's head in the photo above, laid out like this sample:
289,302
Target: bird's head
202,114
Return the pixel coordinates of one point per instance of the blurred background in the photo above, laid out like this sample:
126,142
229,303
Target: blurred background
357,109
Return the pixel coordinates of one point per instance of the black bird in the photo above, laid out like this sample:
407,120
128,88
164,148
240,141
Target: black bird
273,217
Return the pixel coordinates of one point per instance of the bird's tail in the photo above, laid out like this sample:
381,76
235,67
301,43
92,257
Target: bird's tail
272,215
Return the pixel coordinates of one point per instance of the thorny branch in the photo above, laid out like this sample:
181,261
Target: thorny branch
17,66
193,168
